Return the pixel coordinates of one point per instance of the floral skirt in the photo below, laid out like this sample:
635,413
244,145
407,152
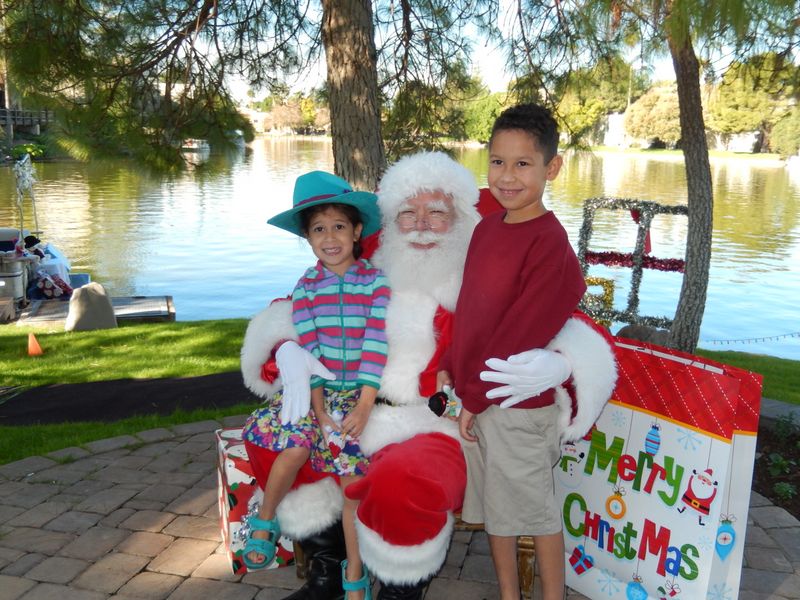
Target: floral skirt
264,428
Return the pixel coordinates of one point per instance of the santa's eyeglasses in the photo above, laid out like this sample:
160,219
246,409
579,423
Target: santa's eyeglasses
435,219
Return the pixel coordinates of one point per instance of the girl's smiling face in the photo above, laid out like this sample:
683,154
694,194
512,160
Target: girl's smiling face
332,236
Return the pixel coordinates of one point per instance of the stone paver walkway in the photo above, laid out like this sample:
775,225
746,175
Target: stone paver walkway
136,517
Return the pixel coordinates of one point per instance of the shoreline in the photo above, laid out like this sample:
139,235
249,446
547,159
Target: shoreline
769,161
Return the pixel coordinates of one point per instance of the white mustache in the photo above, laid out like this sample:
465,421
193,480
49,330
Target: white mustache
423,237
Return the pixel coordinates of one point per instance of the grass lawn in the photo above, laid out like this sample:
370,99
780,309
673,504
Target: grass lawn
141,351
187,349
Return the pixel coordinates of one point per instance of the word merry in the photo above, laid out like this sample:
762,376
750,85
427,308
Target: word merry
642,471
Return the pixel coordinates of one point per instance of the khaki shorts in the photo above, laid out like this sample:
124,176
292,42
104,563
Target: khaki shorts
510,472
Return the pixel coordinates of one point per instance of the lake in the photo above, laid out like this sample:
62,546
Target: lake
201,236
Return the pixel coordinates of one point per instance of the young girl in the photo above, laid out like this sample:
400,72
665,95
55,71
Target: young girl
338,309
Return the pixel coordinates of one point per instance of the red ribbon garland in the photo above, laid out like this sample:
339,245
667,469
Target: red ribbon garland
623,259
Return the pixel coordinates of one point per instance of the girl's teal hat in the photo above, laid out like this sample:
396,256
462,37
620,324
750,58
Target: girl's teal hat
319,187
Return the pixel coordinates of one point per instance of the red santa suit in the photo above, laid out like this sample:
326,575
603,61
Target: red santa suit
417,471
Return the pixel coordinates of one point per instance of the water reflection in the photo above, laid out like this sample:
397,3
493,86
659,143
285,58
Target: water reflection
201,235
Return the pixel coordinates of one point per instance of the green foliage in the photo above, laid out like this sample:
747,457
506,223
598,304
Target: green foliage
587,95
32,148
784,490
422,115
308,110
785,136
265,104
779,465
753,95
785,427
655,116
480,114
138,78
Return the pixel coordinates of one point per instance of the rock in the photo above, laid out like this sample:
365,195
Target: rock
643,333
90,308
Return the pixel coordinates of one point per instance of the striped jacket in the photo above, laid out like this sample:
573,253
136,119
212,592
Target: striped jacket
342,322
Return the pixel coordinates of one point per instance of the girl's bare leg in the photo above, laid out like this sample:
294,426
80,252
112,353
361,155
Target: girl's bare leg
280,480
355,569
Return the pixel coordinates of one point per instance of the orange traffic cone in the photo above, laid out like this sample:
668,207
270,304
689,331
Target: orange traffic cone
34,349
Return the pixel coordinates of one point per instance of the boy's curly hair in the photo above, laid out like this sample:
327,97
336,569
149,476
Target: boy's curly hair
536,121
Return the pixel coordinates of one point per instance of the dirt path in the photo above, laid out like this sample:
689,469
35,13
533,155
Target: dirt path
113,400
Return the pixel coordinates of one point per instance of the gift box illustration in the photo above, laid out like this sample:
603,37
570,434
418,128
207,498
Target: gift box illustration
580,561
239,498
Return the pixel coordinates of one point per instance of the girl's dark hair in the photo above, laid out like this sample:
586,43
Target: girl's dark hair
351,212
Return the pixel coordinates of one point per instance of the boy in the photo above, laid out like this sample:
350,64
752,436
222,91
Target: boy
521,283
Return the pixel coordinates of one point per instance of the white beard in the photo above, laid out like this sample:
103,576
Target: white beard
421,280
435,272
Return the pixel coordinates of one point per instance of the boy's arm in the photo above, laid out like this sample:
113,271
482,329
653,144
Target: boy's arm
466,420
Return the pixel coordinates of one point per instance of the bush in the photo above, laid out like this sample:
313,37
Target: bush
20,150
784,490
785,136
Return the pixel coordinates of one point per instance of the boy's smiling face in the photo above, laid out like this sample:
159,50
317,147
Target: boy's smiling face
518,174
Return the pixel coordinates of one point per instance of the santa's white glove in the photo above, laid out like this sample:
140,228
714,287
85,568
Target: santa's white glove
296,366
525,375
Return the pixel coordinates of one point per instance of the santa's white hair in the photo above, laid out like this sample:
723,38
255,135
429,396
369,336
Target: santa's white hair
427,172
434,271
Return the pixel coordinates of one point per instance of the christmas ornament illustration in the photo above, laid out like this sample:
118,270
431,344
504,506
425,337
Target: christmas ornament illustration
668,590
726,537
652,441
635,590
615,505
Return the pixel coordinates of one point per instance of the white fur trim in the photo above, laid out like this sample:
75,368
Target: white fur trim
594,375
426,171
310,508
393,424
403,565
268,327
409,331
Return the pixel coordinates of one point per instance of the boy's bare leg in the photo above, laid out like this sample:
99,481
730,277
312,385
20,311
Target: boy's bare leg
504,557
354,570
280,480
549,551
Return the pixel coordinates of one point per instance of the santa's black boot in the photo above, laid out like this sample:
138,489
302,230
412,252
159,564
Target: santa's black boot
324,552
403,592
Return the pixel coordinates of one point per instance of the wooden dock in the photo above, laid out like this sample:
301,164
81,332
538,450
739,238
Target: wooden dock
141,309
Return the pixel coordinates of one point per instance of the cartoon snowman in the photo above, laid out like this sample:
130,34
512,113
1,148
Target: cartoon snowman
569,472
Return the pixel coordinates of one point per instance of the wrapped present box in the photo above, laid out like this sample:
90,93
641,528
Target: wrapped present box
580,561
239,498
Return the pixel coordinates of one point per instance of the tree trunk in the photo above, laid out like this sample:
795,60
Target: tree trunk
685,331
349,41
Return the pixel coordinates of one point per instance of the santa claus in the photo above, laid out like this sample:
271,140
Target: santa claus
429,205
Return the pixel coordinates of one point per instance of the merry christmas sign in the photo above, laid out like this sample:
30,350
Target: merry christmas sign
652,504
